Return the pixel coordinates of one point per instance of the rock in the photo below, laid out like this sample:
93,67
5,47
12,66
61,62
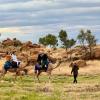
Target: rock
97,53
32,59
23,56
17,42
8,42
80,63
36,46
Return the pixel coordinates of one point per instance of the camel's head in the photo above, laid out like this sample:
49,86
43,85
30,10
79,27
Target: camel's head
71,64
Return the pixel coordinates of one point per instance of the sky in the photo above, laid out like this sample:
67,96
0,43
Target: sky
28,20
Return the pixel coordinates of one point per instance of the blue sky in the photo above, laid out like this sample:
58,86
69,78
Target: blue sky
31,19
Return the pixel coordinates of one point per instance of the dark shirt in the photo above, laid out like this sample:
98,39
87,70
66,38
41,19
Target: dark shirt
42,58
75,69
39,58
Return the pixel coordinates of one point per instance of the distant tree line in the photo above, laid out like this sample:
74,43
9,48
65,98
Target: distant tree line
85,39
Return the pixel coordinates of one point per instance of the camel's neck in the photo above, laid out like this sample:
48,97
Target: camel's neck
23,64
56,65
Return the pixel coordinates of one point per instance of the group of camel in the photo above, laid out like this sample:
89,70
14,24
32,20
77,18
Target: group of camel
21,70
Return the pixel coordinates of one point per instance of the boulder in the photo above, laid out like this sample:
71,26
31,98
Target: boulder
97,53
17,42
80,63
36,46
26,46
32,59
7,42
22,56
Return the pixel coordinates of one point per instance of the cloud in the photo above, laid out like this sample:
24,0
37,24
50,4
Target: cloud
12,1
66,15
40,17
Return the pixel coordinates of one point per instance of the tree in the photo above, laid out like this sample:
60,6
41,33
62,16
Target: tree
91,41
16,42
86,38
70,43
63,38
49,40
82,38
67,43
43,41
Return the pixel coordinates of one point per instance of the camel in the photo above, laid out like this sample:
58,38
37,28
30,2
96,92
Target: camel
18,71
51,67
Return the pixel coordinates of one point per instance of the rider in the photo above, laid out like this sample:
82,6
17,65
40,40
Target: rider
43,60
14,59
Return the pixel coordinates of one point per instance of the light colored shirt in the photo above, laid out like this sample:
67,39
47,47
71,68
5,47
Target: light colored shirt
14,58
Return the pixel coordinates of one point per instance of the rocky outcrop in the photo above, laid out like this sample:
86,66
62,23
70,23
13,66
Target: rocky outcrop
10,42
28,45
7,42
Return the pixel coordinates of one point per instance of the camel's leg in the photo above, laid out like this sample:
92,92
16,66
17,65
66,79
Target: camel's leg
17,73
35,74
39,72
15,78
49,74
3,74
21,75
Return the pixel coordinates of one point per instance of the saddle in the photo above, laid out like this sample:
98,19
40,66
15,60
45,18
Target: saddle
44,68
14,64
10,64
41,67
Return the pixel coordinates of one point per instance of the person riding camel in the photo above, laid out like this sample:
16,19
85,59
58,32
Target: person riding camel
43,60
15,61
